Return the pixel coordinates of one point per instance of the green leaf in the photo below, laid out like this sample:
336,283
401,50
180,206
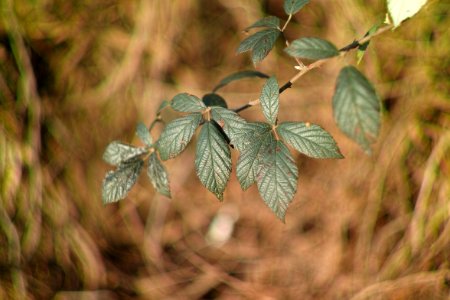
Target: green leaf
293,6
118,183
260,43
177,134
213,160
312,48
270,100
268,22
143,133
187,103
232,124
158,175
400,10
117,152
238,76
248,162
163,105
356,107
213,99
309,139
362,48
277,178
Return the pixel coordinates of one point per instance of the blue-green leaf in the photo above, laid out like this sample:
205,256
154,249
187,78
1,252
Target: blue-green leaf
213,99
187,103
270,100
118,183
177,134
158,175
163,105
237,76
260,43
232,124
293,6
277,177
248,162
356,107
309,139
117,152
213,160
143,133
312,48
268,22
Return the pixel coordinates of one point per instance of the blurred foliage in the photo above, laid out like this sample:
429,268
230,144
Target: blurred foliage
78,74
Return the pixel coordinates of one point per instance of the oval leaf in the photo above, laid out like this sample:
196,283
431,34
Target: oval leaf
270,100
237,76
309,139
400,10
269,22
293,6
356,107
213,160
277,178
118,183
163,105
248,162
117,152
312,48
213,99
143,133
187,103
260,43
235,127
158,175
177,134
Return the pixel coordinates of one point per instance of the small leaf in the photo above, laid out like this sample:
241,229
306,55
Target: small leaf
118,183
309,139
362,48
177,134
187,103
237,76
269,22
248,162
277,178
312,48
293,6
143,133
260,43
270,100
158,175
163,105
117,152
356,107
401,10
213,160
213,99
232,124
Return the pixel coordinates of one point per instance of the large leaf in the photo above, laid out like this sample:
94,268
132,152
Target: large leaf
187,103
400,10
237,76
260,43
309,139
158,175
118,183
270,100
248,162
143,133
293,6
268,22
277,177
356,107
213,160
312,48
232,124
177,134
118,152
212,99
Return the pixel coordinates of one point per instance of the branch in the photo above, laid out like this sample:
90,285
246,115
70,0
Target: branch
353,45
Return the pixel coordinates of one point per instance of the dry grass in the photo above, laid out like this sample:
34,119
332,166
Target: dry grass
77,74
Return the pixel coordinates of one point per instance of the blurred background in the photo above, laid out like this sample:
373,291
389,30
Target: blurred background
76,75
